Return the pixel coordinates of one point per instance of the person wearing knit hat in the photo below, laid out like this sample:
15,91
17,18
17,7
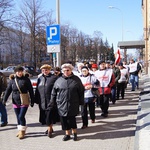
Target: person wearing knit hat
46,66
43,90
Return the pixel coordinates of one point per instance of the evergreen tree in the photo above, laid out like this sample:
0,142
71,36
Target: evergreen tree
111,54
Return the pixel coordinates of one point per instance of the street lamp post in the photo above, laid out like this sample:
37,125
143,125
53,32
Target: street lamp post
58,55
112,7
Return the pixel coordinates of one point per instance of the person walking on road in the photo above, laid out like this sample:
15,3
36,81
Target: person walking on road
117,75
25,86
121,85
134,68
68,94
88,81
3,111
42,97
107,80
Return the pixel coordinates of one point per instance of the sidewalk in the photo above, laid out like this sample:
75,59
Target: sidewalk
142,135
117,132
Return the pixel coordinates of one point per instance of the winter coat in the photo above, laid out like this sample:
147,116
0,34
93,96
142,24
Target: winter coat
117,74
43,90
24,85
3,85
68,93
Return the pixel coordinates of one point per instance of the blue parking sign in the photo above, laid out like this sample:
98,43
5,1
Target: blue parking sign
53,35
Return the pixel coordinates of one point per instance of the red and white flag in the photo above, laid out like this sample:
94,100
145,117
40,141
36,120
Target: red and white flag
118,57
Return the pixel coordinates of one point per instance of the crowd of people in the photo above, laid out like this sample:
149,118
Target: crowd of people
66,92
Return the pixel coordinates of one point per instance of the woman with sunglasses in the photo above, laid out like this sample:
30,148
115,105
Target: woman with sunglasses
68,94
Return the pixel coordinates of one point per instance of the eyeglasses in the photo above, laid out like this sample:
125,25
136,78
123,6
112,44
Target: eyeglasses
66,70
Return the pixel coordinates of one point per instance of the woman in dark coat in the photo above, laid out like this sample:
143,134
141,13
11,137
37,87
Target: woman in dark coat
42,97
68,94
25,86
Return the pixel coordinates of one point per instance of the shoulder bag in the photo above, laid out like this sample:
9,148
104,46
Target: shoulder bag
95,91
23,96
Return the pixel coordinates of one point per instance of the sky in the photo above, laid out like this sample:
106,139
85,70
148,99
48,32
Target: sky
122,23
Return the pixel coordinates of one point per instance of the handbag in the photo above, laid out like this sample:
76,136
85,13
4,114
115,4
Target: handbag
24,97
95,91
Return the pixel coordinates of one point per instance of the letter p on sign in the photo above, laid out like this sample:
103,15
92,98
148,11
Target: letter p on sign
53,32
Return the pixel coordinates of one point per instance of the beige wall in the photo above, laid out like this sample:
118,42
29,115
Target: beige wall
146,32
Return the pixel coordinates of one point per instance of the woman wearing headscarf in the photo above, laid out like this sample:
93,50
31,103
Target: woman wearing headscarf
25,86
68,94
43,90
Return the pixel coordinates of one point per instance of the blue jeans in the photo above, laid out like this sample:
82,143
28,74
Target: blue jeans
134,80
113,94
3,113
20,114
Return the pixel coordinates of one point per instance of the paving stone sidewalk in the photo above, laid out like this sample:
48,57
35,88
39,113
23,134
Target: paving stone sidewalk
117,132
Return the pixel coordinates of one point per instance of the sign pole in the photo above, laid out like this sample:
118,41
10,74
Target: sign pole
58,55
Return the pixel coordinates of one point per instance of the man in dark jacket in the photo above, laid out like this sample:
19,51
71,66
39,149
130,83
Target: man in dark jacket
68,94
117,75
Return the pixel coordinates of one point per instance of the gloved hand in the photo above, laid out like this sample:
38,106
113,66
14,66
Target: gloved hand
32,105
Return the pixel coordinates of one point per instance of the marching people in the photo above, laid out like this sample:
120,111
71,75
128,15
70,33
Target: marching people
107,80
121,85
134,68
68,94
21,80
42,97
3,111
117,75
88,81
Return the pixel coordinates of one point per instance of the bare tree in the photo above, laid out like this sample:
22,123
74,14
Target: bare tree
32,14
5,16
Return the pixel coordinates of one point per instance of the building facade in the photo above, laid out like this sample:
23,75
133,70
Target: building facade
146,32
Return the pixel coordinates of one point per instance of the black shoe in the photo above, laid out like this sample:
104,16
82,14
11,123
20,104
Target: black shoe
83,127
132,90
75,136
49,134
4,124
104,115
46,132
66,138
